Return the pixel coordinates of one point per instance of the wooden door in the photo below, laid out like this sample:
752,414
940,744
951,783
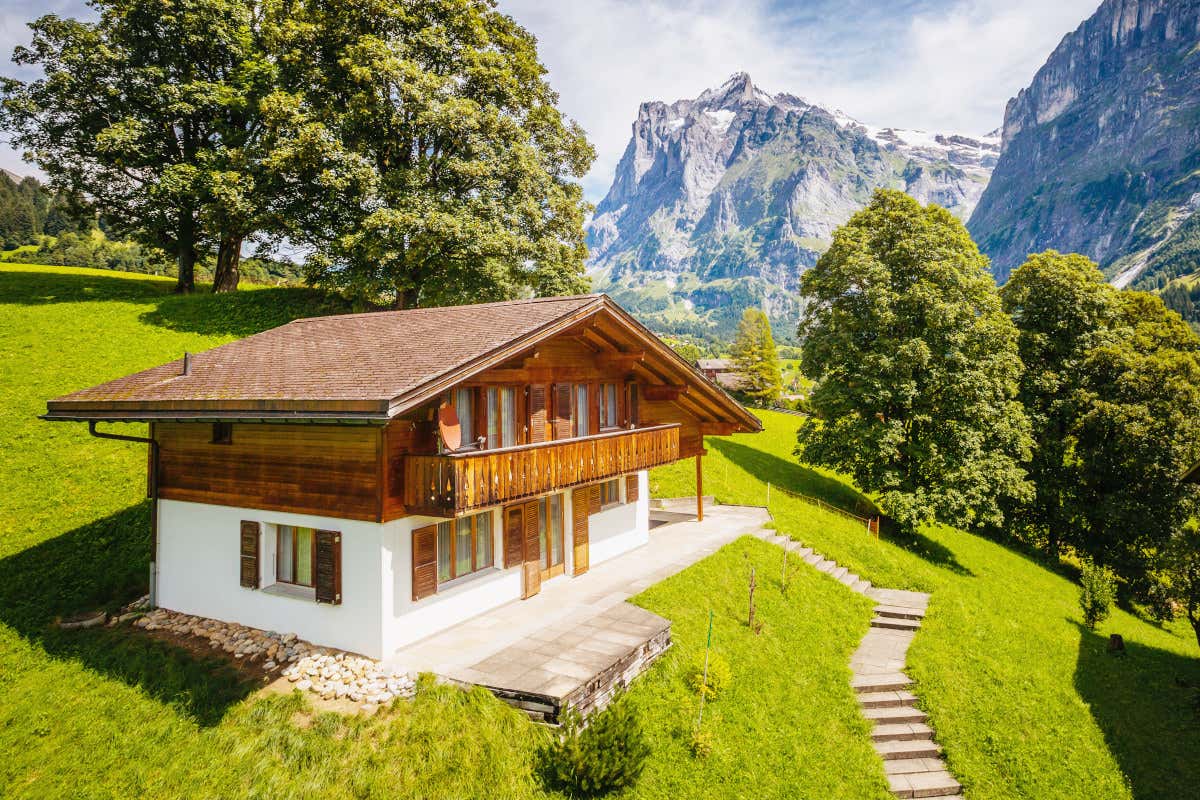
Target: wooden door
532,567
579,530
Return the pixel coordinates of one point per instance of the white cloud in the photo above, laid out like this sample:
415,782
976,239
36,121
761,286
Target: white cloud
941,65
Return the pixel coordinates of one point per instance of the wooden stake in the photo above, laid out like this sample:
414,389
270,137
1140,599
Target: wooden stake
752,586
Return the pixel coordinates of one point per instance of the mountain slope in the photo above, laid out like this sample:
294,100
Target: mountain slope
722,201
1101,153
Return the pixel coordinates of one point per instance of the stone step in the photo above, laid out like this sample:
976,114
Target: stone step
804,552
916,748
907,766
848,579
813,558
861,586
901,732
899,612
839,572
892,623
826,566
896,714
924,784
886,699
880,682
793,546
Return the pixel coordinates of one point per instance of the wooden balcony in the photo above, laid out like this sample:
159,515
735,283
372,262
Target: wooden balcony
460,483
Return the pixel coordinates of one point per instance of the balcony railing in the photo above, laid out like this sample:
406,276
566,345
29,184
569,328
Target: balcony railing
458,483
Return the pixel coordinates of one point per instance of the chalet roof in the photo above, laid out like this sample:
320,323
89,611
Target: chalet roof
715,363
365,367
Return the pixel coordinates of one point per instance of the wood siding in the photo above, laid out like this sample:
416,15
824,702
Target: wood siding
330,470
451,485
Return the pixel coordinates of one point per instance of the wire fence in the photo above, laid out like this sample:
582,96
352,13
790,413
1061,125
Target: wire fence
871,523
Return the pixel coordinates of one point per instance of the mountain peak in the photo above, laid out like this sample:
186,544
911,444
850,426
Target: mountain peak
738,89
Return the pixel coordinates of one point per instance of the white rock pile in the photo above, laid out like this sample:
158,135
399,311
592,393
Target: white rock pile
325,672
343,676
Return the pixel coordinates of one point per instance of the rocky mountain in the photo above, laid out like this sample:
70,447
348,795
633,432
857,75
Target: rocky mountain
1101,153
722,201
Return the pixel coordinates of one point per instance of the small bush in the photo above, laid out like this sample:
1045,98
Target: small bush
1098,590
701,743
607,755
719,676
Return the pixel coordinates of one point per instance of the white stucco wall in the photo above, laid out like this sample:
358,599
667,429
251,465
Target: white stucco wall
198,573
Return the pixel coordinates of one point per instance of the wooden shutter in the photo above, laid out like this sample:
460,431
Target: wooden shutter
327,567
631,488
579,530
424,562
594,408
514,536
593,504
537,413
533,556
249,553
631,404
562,411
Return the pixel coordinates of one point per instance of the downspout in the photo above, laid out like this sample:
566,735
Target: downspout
151,490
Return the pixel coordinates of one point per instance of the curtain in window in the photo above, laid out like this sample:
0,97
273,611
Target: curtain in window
443,551
581,410
610,406
286,565
462,546
493,418
304,551
466,415
483,540
556,529
508,417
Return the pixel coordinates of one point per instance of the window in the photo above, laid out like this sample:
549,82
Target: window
610,493
581,410
294,555
464,407
222,433
464,546
550,531
633,404
608,405
501,405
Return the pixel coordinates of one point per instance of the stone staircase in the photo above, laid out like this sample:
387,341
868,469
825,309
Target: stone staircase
900,734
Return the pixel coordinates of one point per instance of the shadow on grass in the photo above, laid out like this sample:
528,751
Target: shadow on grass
244,312
1145,703
935,553
34,288
104,564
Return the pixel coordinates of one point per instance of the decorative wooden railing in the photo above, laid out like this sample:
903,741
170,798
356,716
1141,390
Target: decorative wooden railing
453,484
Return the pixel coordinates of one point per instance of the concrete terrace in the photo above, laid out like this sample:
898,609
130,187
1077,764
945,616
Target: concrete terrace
577,638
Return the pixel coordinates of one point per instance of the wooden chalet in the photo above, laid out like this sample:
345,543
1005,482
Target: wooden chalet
367,480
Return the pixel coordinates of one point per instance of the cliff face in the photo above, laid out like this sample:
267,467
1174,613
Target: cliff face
1101,153
722,201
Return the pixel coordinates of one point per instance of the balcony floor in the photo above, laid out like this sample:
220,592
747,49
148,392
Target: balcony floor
577,631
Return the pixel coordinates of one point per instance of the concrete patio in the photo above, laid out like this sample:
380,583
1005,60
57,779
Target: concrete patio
576,639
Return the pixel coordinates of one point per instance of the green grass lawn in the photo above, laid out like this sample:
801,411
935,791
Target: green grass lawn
1027,702
114,713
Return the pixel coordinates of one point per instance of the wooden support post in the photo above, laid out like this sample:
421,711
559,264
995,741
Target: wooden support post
699,489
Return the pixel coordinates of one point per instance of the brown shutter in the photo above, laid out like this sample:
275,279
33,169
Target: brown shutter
594,498
327,567
631,403
631,488
533,557
249,559
514,536
424,562
537,413
594,408
579,530
562,411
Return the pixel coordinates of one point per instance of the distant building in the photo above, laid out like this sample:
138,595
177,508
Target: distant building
722,372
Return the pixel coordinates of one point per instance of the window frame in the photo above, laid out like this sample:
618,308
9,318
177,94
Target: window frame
609,410
222,433
312,545
613,487
476,566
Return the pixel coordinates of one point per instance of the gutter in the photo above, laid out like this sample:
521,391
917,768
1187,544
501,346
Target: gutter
151,490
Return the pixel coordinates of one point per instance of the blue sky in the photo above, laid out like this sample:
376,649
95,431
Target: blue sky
945,65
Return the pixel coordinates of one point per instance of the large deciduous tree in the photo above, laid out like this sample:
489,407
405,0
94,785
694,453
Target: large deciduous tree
149,115
916,367
441,169
755,359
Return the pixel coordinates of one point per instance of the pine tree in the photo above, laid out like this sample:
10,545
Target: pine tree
755,359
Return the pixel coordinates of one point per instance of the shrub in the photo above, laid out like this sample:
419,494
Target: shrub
606,755
1098,590
701,743
719,676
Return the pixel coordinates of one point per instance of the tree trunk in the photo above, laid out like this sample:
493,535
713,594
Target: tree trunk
229,257
1194,618
186,282
406,298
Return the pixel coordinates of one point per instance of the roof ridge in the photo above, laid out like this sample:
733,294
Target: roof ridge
493,304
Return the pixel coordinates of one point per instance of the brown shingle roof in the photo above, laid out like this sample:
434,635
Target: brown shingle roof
352,362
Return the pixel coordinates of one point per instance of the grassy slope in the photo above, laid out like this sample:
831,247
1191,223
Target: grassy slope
106,713
1027,702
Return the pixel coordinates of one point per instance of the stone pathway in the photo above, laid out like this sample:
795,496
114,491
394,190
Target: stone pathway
901,734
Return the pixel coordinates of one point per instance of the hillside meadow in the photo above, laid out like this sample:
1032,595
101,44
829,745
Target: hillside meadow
1026,702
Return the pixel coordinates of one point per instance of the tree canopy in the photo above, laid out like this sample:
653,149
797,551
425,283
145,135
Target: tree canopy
755,359
432,165
916,367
